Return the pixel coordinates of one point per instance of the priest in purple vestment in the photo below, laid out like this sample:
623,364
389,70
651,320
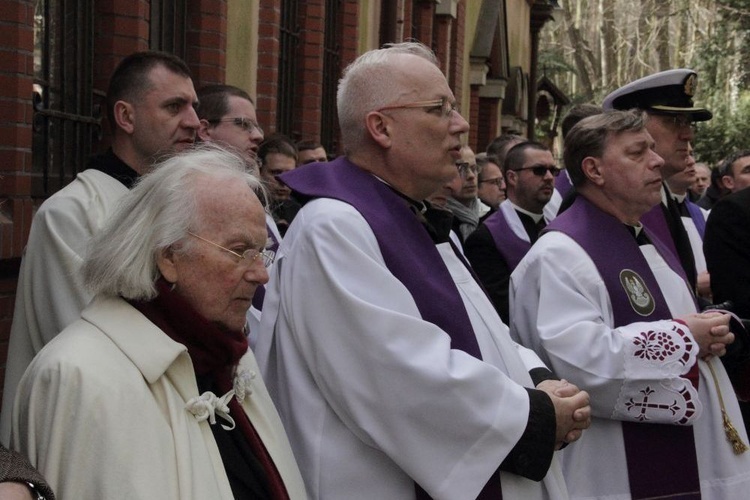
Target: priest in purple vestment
606,305
392,372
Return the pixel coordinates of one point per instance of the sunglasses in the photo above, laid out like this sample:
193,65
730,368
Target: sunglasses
540,171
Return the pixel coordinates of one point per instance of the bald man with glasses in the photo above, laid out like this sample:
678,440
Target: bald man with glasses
387,361
501,241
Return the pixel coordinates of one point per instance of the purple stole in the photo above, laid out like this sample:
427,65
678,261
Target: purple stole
407,249
661,458
656,222
510,246
260,292
697,216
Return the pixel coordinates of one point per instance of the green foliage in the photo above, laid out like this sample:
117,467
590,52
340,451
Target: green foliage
725,133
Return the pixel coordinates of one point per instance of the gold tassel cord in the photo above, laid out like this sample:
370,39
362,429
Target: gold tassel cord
732,435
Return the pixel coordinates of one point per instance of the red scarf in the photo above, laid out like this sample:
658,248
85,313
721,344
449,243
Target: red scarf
216,352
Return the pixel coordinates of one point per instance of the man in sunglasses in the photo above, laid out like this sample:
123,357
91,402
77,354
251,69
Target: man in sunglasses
501,241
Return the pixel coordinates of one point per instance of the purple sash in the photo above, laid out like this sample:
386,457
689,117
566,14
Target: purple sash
657,224
697,216
510,246
407,249
260,292
661,459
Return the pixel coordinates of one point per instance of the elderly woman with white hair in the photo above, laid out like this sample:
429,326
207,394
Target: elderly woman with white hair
153,392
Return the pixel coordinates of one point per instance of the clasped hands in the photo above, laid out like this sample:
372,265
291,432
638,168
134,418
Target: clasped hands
572,410
710,330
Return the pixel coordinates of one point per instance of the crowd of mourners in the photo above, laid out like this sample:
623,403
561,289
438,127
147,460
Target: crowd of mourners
207,312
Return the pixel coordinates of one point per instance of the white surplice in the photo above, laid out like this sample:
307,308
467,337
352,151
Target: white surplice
373,398
560,307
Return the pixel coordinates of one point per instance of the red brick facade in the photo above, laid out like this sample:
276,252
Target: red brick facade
16,79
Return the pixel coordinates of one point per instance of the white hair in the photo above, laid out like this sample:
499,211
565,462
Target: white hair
367,84
155,215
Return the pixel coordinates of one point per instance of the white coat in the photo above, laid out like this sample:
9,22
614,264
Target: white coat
101,413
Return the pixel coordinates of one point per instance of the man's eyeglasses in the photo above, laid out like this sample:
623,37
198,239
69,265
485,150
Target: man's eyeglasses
497,181
247,257
444,106
464,167
245,124
540,170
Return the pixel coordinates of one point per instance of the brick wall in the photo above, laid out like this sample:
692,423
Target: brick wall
206,37
16,79
423,15
268,62
486,126
308,100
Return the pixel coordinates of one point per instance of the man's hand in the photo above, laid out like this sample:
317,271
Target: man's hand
572,410
711,330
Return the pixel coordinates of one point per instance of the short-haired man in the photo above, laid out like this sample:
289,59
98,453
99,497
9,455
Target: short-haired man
501,241
227,117
735,171
463,201
490,183
278,155
394,376
702,181
310,151
596,297
576,113
151,109
693,220
667,98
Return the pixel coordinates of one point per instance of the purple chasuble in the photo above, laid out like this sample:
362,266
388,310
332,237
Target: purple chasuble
661,458
407,249
510,246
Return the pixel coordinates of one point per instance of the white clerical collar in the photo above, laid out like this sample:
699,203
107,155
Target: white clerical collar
535,217
679,198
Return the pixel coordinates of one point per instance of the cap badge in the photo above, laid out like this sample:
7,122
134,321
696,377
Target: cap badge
690,85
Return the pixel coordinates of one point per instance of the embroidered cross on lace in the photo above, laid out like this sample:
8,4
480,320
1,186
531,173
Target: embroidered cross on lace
208,405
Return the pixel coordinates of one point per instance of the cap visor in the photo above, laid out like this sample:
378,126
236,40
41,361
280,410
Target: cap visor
699,114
